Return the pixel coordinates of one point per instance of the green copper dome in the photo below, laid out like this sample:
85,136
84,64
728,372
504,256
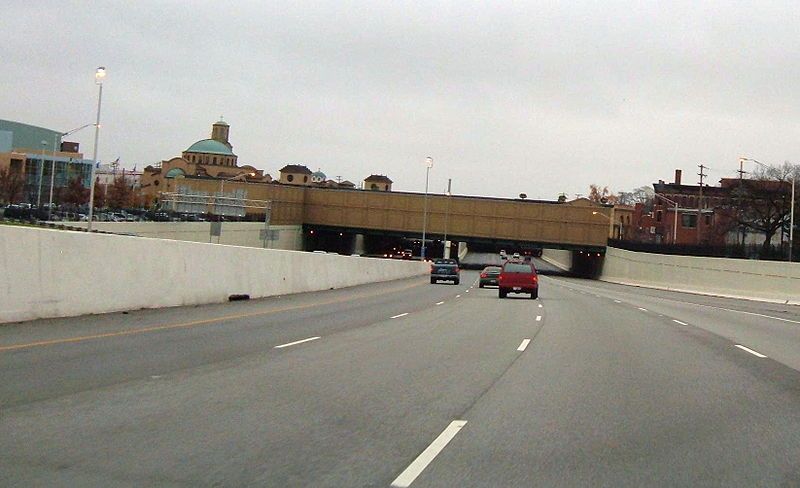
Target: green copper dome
210,146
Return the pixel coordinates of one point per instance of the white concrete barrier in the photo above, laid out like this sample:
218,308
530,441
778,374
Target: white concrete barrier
558,258
739,278
53,273
248,234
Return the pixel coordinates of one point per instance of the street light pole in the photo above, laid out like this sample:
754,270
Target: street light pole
446,250
675,222
429,165
99,74
41,176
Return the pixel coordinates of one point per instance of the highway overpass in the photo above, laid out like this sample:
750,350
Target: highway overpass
502,221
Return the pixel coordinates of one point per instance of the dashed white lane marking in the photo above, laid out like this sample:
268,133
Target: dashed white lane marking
642,309
155,376
297,342
398,315
523,344
458,296
540,305
754,353
679,322
424,459
466,291
714,307
439,303
538,318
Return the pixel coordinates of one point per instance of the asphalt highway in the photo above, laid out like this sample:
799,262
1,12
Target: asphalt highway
409,384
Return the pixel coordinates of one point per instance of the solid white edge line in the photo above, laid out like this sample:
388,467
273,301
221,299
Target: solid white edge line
427,456
754,353
439,303
523,344
398,315
297,342
679,322
538,318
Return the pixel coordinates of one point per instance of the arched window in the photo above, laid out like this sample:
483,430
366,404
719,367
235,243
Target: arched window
305,179
290,178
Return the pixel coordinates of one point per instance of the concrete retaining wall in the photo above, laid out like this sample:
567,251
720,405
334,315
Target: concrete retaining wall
558,257
289,237
52,273
740,278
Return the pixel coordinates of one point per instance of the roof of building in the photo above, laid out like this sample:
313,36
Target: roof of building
30,137
378,178
210,146
295,168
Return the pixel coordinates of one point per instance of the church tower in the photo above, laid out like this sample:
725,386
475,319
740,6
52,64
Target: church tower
220,131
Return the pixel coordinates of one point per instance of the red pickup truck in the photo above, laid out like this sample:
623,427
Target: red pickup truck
518,277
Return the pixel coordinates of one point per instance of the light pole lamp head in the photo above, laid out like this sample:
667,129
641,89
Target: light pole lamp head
99,74
429,162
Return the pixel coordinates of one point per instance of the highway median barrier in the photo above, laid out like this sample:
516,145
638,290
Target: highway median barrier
53,273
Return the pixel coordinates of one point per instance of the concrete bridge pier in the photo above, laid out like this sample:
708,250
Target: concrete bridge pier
358,246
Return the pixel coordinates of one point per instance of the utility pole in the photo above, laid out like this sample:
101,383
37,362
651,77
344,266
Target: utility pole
702,176
741,171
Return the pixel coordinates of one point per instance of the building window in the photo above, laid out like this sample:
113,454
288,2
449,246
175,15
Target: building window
214,160
689,221
305,179
658,216
290,178
708,219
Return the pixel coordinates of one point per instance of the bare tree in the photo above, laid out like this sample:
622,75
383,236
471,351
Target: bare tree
601,195
762,203
120,193
643,195
11,185
75,193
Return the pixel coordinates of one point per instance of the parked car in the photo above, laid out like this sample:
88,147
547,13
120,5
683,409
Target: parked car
445,270
489,276
518,277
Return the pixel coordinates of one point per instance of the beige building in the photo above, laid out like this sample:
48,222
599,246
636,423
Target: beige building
211,158
296,174
378,183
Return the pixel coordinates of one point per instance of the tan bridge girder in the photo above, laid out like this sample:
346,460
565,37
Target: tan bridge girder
546,223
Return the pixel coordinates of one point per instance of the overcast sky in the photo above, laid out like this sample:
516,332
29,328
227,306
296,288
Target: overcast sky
507,97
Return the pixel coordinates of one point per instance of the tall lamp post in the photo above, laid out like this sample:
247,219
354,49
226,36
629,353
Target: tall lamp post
429,165
675,222
446,250
791,210
53,164
41,176
99,74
